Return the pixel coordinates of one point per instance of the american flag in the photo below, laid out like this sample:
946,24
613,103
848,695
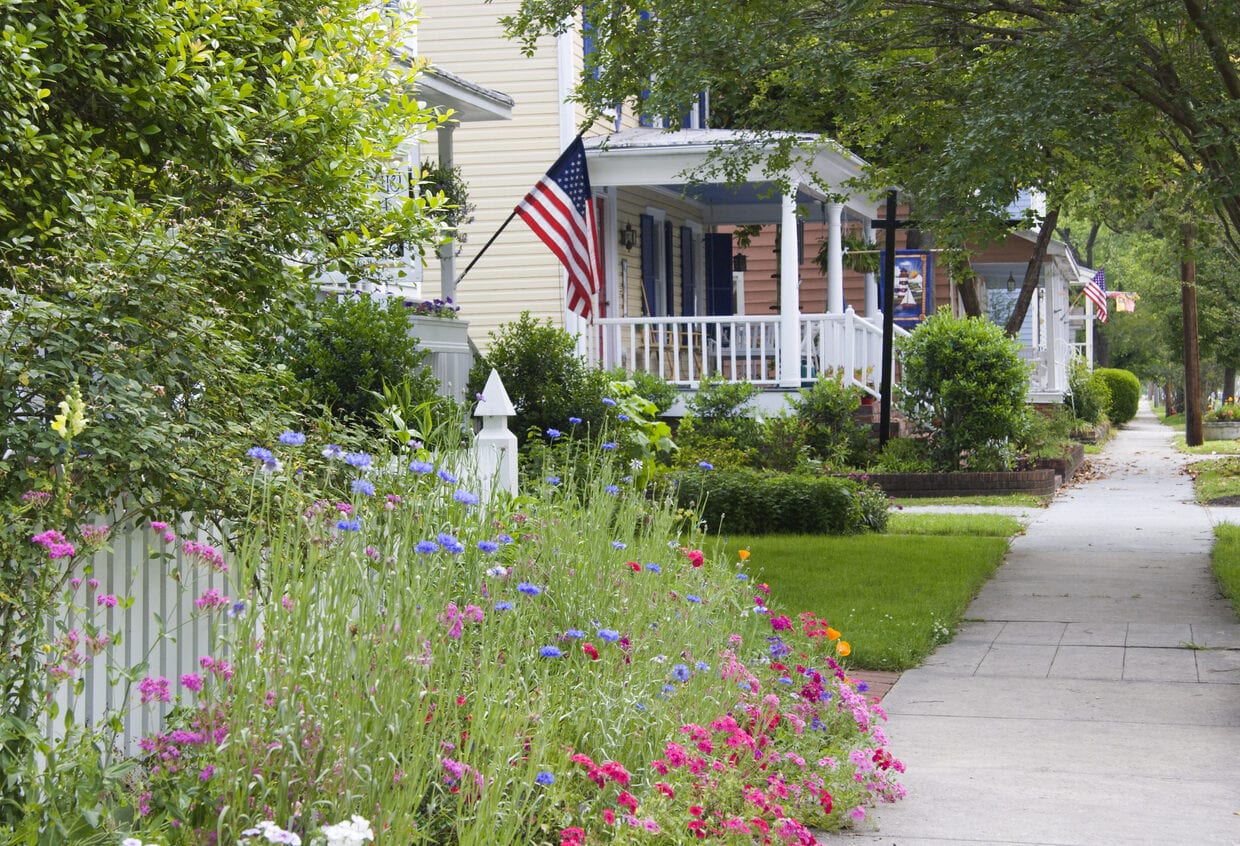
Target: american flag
560,210
1096,292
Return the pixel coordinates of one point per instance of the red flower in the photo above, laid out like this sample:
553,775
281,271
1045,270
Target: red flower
634,566
665,789
609,816
627,800
696,810
695,556
617,773
589,649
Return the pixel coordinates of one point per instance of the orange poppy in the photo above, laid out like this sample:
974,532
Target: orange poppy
744,554
843,648
832,634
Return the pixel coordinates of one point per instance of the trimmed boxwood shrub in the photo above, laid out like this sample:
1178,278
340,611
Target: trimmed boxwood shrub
1125,393
750,502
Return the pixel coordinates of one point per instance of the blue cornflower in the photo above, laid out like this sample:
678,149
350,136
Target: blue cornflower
450,543
421,467
639,706
545,778
778,648
667,688
466,497
360,460
426,547
693,598
575,633
623,418
742,576
618,544
785,680
349,525
272,465
608,635
612,489
447,477
504,538
364,487
290,438
702,666
862,687
608,401
654,568
487,546
332,451
261,453
574,420
503,606
237,609
497,572
529,589
550,652
681,673
553,480
609,445
553,433
706,465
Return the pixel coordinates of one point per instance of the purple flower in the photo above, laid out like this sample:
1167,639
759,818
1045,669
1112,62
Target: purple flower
551,652
365,487
447,477
108,600
237,609
154,688
553,480
544,778
426,547
291,438
191,681
466,497
693,598
421,467
360,460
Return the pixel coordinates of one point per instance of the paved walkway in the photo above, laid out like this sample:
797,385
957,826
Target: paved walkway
1094,698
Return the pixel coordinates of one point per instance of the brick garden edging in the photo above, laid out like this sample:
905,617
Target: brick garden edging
1066,466
1036,482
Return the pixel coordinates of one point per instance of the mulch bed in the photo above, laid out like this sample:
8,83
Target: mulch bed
1233,499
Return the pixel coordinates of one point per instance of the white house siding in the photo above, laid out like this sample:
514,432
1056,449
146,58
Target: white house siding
500,162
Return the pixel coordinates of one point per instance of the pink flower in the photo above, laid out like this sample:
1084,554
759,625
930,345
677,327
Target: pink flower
857,813
191,681
154,688
107,599
92,583
159,526
781,623
696,558
609,816
75,583
206,774
615,771
627,800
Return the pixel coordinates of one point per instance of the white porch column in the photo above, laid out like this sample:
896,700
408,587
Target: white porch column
789,296
835,259
1053,364
871,279
447,252
1089,334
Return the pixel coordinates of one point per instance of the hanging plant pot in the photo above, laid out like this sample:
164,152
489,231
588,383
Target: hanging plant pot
859,256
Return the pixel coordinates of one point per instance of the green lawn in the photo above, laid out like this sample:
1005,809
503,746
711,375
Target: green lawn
1215,478
1014,500
1208,448
894,596
1226,562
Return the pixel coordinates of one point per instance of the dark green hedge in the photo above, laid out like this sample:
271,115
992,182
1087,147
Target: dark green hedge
1125,393
750,502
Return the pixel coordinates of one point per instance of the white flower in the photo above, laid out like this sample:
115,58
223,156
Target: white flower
355,832
272,833
131,841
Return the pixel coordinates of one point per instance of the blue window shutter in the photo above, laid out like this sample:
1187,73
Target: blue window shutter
719,274
687,274
669,268
648,264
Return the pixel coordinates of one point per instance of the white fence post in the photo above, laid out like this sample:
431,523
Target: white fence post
495,445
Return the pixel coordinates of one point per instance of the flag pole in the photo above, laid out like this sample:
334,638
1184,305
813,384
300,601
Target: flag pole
491,241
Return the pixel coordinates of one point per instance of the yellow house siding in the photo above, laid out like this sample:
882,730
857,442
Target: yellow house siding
631,204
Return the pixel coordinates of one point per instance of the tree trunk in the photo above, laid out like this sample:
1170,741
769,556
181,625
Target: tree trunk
1193,435
1170,392
968,297
1229,383
1032,272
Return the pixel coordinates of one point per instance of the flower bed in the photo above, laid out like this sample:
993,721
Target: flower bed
1220,430
1036,482
568,667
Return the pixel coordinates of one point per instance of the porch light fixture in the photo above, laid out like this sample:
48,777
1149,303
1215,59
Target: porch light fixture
1011,283
739,262
628,238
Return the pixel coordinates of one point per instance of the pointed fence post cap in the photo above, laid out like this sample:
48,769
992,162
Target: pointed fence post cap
495,401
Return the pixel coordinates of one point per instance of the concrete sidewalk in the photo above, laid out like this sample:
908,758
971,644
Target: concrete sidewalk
1094,698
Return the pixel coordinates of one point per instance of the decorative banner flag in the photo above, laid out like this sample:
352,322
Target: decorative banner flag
1096,292
1124,300
560,210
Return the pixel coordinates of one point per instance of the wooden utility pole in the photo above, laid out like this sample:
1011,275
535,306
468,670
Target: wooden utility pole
1193,435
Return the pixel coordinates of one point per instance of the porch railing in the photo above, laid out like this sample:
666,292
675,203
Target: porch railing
686,350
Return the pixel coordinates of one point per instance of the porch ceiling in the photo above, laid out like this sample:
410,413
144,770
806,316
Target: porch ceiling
667,160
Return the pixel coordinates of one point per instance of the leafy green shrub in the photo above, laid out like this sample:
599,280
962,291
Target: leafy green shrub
544,377
347,350
782,444
831,431
649,385
721,409
1090,396
904,455
1047,433
1125,393
695,448
752,502
964,384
